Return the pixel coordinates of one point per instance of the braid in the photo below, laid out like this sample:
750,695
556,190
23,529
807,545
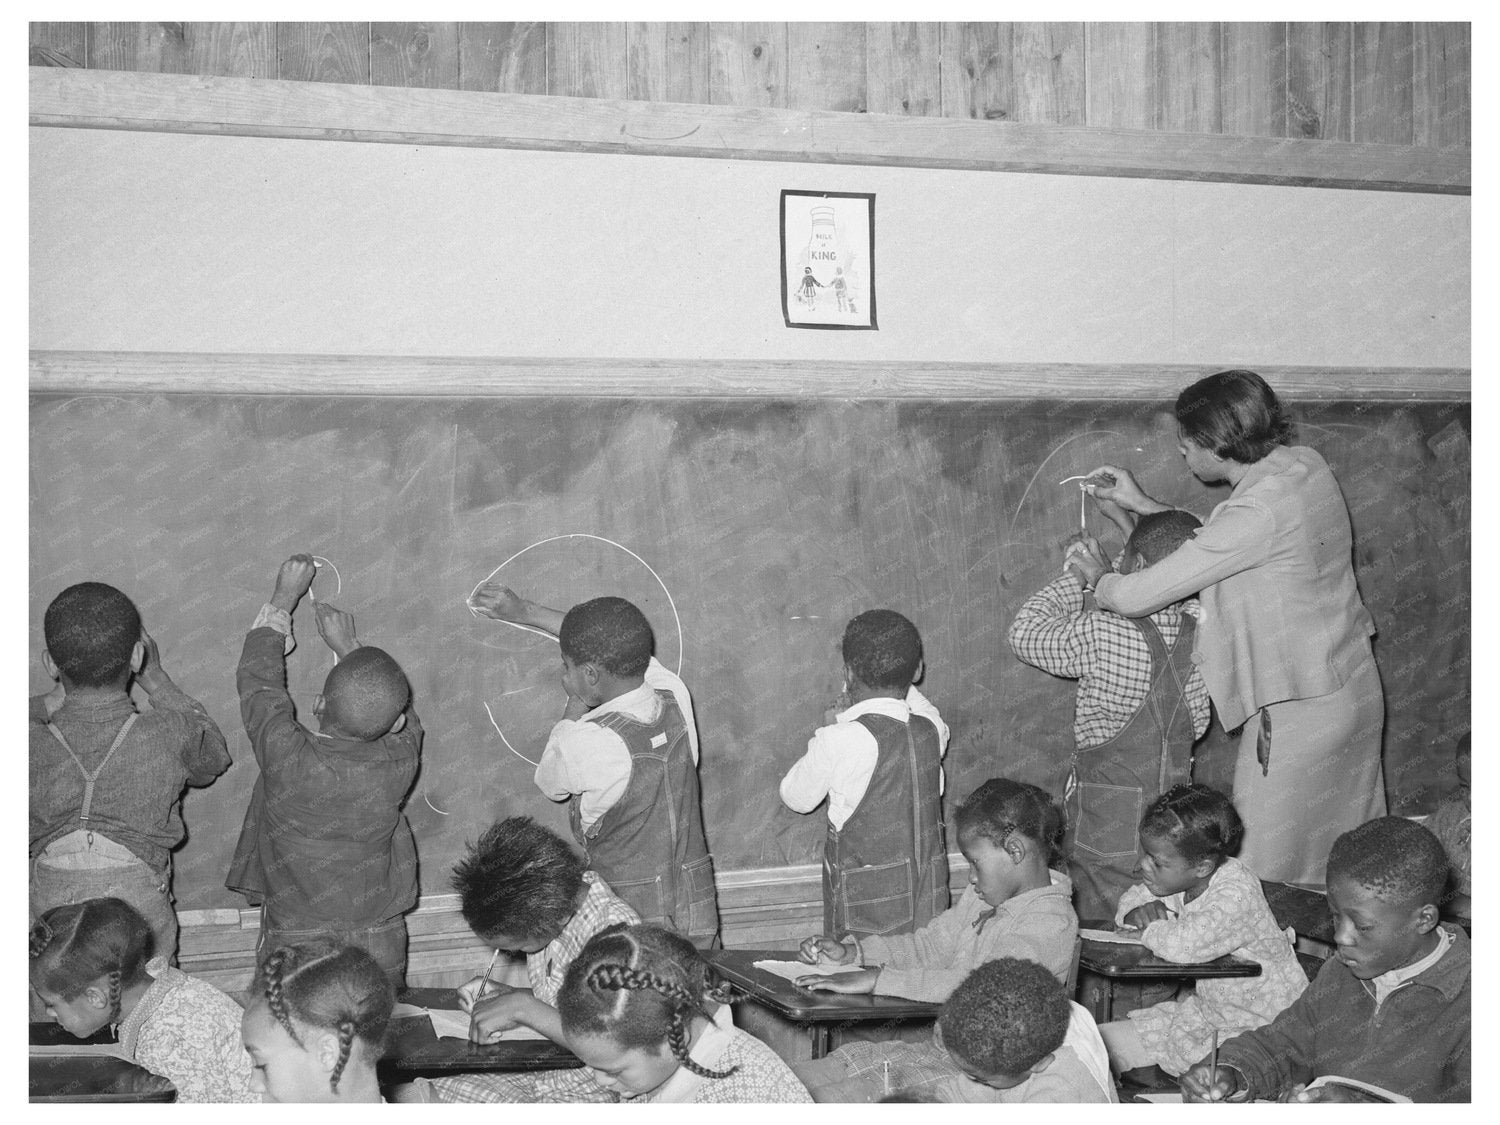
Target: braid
114,994
611,976
41,937
346,1043
275,995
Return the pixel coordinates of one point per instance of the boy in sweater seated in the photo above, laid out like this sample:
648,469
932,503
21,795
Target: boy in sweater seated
1016,1037
1390,1008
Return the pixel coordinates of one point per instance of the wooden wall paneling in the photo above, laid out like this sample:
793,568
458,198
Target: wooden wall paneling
1318,80
587,60
59,44
1121,79
668,62
232,50
174,103
414,54
324,52
1050,66
747,64
826,66
903,69
1441,92
977,71
1380,106
505,58
158,47
1252,79
1187,78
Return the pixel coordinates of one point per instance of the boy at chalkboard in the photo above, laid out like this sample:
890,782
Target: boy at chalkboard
625,758
879,763
106,779
1141,705
325,847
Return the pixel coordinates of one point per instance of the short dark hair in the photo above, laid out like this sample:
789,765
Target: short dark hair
1398,859
73,946
520,881
883,649
1159,534
641,986
1233,414
1001,806
609,632
1005,1017
91,630
329,986
364,693
1199,821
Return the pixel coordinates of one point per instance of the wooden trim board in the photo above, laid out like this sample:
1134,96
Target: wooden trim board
81,373
772,907
175,103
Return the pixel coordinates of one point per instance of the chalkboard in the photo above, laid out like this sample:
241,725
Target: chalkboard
749,531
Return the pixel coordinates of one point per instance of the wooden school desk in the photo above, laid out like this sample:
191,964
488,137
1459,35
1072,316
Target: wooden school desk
87,1078
1135,962
413,1051
821,1011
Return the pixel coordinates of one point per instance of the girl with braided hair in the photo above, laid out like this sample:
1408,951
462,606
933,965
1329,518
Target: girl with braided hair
1198,902
92,966
639,1008
316,1025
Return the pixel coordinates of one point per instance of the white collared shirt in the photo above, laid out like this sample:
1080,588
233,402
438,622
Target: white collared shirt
840,759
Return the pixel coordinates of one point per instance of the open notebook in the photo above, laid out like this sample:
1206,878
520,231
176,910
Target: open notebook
791,970
452,1023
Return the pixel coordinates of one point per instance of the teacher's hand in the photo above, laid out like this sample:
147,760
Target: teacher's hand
1125,491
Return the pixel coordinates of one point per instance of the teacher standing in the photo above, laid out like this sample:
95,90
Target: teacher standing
1284,641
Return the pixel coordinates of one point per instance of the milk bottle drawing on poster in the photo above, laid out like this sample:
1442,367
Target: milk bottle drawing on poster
828,259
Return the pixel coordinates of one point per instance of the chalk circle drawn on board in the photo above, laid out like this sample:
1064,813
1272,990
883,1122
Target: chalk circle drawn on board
1017,514
468,604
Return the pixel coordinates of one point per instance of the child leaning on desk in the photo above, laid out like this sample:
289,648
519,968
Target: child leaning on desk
1391,1007
638,1007
1014,906
879,764
1199,903
625,758
523,890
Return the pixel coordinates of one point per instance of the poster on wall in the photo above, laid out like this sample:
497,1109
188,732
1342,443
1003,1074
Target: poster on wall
827,259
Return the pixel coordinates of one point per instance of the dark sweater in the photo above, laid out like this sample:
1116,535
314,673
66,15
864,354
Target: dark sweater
1416,1044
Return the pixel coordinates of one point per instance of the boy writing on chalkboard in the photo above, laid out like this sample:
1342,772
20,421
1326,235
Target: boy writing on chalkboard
106,779
325,847
625,758
879,763
1141,705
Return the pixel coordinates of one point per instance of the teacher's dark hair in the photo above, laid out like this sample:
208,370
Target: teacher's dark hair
1233,414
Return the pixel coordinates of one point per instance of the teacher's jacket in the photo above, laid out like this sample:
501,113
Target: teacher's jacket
1282,616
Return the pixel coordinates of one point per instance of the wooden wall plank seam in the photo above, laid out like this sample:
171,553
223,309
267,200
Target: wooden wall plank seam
248,107
61,372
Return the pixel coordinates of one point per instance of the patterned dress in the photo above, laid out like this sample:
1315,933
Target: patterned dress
599,909
1231,916
759,1074
188,1032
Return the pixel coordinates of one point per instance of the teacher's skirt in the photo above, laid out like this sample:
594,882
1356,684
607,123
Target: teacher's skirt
1324,778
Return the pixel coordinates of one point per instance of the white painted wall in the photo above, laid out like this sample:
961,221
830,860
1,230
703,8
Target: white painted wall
231,244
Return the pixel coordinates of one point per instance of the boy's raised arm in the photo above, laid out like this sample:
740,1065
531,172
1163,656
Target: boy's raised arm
500,603
265,705
204,751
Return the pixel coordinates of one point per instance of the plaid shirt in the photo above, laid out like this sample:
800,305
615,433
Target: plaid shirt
1104,652
545,969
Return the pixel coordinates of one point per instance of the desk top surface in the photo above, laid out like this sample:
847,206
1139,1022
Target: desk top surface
411,1046
736,966
1126,961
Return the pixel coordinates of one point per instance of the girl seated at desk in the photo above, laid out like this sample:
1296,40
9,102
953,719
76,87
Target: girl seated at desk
1198,903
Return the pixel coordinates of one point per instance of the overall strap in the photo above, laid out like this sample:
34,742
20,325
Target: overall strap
1164,672
916,823
88,777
